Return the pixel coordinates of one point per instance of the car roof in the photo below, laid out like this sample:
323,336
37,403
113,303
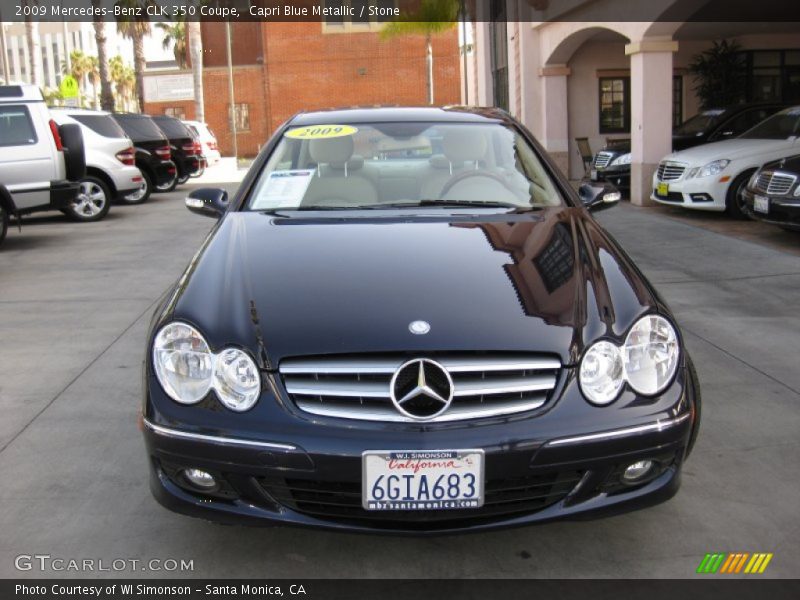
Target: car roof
393,114
78,111
20,92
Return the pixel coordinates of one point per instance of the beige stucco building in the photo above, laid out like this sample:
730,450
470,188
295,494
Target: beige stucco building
567,72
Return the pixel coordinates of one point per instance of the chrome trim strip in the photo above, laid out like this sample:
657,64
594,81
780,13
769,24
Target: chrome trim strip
490,387
199,437
615,433
389,366
391,415
349,389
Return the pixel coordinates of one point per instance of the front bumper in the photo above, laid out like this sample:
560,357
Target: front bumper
620,176
783,211
309,473
705,193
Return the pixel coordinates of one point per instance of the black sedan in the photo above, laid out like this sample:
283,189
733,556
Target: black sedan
406,320
613,163
773,193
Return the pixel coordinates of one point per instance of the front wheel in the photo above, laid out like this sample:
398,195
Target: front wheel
734,201
142,194
92,202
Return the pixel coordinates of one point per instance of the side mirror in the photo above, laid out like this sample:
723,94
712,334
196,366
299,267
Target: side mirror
599,196
209,202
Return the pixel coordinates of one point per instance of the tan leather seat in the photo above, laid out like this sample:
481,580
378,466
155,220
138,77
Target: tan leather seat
463,149
337,181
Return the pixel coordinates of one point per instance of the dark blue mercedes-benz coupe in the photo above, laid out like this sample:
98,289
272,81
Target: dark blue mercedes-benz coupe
406,320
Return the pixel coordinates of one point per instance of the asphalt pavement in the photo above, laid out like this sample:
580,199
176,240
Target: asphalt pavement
75,301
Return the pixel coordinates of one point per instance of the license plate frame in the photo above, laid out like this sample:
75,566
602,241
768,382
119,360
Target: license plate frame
662,189
376,463
761,204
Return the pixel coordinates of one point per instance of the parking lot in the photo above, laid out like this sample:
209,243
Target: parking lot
75,302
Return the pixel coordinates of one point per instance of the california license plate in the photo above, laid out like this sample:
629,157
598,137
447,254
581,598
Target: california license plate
593,174
662,189
761,204
422,479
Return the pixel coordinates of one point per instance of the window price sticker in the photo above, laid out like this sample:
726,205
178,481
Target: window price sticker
284,189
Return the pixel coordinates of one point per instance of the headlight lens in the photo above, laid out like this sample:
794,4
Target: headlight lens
622,159
183,362
236,380
650,355
601,373
797,190
713,168
647,361
187,369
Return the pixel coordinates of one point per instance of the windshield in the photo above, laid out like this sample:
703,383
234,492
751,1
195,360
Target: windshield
779,126
139,128
699,123
391,165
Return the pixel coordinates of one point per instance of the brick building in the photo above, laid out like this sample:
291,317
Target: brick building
282,68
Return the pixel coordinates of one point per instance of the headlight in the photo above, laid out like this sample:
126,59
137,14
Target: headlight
650,355
753,178
187,369
183,362
713,168
236,380
622,159
647,361
797,191
601,373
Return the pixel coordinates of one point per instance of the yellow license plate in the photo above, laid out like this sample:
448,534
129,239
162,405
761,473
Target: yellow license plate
662,189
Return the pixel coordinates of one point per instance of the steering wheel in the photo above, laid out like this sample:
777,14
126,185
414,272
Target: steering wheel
459,177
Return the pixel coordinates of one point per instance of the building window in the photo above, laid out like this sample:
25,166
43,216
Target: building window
242,116
175,111
615,105
773,76
677,100
357,17
498,41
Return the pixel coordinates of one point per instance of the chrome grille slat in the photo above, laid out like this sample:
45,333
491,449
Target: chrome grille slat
602,159
358,387
669,171
775,183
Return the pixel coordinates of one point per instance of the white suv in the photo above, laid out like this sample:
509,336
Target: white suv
111,171
207,140
40,162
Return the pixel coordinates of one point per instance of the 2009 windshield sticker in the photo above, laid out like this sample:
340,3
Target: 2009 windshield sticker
320,132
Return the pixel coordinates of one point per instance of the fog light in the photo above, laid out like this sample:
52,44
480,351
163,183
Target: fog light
201,479
637,471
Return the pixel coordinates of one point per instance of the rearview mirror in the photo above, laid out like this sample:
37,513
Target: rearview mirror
599,196
209,202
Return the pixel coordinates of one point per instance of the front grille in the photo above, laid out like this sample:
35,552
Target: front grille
342,500
775,183
357,387
668,171
602,159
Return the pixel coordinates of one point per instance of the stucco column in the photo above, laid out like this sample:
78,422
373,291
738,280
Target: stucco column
555,122
651,112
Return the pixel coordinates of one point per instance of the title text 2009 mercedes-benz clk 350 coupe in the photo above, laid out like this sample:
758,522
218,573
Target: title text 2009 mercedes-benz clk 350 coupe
406,320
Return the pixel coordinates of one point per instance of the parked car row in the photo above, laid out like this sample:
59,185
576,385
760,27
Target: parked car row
744,160
80,161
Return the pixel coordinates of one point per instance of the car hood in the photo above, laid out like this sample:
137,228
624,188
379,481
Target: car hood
549,281
730,149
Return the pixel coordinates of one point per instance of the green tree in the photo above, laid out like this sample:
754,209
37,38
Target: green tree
106,94
135,29
175,36
433,17
80,65
719,74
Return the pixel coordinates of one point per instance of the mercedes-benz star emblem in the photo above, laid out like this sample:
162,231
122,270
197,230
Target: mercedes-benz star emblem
421,389
419,327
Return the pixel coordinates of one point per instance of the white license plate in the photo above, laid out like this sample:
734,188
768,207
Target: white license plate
593,174
422,479
761,204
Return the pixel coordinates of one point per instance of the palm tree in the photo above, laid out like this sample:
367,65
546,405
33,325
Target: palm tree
34,50
433,17
124,79
135,28
93,72
79,66
106,95
196,51
175,36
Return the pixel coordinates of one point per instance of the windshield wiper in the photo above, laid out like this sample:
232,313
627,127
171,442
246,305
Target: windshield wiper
444,203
